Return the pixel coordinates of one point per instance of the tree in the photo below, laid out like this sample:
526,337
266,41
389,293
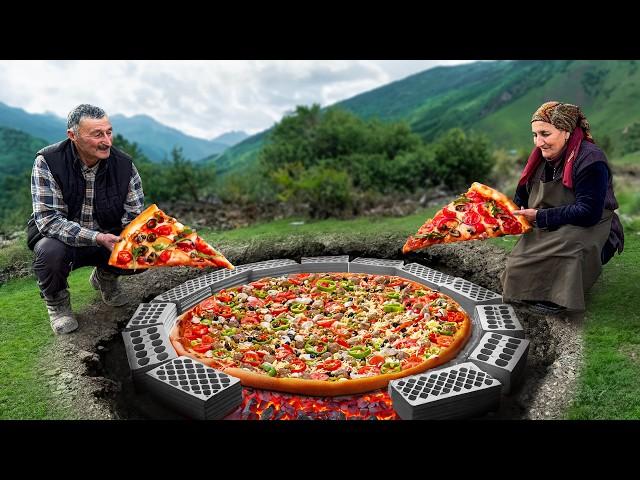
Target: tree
460,159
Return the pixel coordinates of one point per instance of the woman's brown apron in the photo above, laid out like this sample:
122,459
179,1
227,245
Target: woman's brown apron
557,266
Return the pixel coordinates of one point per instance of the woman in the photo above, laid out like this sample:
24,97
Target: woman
566,191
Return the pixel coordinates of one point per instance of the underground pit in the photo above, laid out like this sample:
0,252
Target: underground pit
552,362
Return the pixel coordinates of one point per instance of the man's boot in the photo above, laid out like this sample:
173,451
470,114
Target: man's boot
107,283
60,314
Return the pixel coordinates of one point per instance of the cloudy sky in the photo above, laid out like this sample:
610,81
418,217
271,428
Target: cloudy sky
200,98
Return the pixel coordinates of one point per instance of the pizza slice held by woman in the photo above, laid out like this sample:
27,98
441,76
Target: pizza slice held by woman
155,239
482,212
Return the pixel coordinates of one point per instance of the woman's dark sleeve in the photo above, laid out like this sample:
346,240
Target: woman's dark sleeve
590,190
521,198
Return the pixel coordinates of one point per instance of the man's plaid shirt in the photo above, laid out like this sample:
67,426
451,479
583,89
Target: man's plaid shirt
50,210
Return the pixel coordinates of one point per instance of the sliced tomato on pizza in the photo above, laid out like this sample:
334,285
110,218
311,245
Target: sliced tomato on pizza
155,239
482,212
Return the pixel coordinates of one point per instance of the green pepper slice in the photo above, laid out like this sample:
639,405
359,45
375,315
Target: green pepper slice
394,295
315,349
326,285
390,367
280,323
297,307
359,351
393,307
269,369
347,285
260,293
227,332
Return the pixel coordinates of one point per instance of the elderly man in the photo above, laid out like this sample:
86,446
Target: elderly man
84,192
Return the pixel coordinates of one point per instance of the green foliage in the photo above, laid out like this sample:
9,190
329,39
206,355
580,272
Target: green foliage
179,179
373,157
631,138
319,191
460,159
507,166
17,151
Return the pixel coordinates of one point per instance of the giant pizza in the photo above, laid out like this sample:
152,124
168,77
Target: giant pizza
323,334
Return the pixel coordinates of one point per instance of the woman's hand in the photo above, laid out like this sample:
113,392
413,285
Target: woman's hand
528,213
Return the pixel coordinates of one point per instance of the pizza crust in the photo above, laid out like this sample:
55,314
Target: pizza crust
502,198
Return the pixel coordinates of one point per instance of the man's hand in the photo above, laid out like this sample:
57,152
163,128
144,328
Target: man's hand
107,240
528,213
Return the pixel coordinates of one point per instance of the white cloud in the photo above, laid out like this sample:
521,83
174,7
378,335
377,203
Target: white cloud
200,98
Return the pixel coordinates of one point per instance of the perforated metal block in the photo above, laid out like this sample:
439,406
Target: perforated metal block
186,294
460,391
469,295
334,263
147,348
379,266
499,318
270,268
194,389
149,314
502,356
425,275
238,278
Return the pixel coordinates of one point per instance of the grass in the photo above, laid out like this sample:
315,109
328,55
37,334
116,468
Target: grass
608,384
292,227
24,335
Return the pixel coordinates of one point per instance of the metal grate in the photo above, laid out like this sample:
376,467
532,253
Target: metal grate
454,392
428,276
276,267
469,294
499,319
377,266
327,264
186,294
149,314
147,348
194,389
503,356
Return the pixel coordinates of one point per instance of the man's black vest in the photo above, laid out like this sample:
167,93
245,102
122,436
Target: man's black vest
110,188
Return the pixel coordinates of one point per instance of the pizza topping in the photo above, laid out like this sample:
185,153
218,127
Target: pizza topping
326,285
360,326
124,258
151,223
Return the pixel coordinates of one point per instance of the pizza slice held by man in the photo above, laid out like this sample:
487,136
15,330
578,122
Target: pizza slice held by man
482,212
155,239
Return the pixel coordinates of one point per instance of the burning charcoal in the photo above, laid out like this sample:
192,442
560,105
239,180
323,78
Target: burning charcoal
280,414
249,407
302,416
336,415
372,417
268,413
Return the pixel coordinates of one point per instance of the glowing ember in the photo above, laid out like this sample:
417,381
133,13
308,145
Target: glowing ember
268,405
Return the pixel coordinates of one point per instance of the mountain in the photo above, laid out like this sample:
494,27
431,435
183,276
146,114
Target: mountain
157,140
46,126
154,139
17,151
230,138
496,98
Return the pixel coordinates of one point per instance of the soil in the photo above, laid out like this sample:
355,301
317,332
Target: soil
89,374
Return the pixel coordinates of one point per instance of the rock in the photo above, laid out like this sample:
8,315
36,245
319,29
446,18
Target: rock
53,372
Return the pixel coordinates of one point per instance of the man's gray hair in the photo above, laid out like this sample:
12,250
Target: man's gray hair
83,111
